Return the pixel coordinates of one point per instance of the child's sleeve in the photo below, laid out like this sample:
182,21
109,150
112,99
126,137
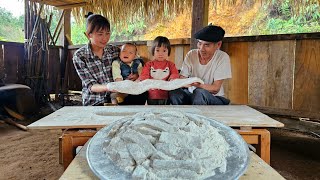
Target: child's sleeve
116,72
174,73
145,73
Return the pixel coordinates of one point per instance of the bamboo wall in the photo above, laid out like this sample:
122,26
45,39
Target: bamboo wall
273,71
11,62
13,66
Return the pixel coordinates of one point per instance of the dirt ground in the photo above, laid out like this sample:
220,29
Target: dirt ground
35,155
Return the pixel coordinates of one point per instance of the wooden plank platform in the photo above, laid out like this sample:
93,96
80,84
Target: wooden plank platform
100,116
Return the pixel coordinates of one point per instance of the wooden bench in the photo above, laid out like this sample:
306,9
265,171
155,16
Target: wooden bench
68,143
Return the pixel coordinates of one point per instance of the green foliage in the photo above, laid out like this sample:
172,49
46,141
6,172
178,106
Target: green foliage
55,19
2,39
131,32
282,20
11,28
77,33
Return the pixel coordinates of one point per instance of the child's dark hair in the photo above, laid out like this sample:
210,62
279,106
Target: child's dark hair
161,41
96,22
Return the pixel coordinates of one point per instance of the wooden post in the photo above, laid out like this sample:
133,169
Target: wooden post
26,36
200,9
66,32
26,19
2,69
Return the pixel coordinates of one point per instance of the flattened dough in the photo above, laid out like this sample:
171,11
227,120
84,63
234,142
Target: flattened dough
131,87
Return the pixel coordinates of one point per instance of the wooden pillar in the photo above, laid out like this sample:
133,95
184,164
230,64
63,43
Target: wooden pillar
200,9
2,70
66,32
26,34
66,29
26,19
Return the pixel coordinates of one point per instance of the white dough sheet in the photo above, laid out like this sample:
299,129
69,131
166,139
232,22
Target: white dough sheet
132,87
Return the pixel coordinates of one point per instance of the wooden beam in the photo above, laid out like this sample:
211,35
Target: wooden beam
69,6
2,70
26,19
200,9
66,33
58,25
66,25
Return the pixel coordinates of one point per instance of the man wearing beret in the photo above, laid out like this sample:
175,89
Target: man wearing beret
208,63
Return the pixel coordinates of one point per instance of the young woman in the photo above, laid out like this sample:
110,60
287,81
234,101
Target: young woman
93,63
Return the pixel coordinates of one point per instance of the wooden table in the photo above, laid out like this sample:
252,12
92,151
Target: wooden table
258,169
251,124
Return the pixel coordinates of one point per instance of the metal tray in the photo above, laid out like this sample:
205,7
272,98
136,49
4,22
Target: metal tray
103,168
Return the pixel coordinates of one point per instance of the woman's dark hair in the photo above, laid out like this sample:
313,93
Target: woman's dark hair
161,41
87,15
96,22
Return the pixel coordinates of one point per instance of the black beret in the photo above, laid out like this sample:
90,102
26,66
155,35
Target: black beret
210,33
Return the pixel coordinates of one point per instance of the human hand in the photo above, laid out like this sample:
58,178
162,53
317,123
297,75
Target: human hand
132,77
196,84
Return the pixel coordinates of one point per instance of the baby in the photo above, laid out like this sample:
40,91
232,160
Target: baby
127,68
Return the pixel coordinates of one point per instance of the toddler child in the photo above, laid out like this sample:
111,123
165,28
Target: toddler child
159,68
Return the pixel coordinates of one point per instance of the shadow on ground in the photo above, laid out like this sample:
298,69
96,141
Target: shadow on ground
295,155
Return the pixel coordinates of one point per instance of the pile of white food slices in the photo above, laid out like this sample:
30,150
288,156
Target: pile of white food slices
132,87
167,145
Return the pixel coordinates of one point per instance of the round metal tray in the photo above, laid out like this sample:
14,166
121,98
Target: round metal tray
104,168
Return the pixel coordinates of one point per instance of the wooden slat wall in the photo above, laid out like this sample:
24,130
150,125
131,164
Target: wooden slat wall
282,74
236,88
53,73
13,62
143,51
74,82
257,75
12,56
178,56
271,73
306,94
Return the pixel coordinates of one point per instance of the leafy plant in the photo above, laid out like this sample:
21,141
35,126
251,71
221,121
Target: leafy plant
77,33
288,22
11,28
2,38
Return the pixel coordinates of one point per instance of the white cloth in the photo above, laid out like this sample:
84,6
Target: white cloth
218,68
132,87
